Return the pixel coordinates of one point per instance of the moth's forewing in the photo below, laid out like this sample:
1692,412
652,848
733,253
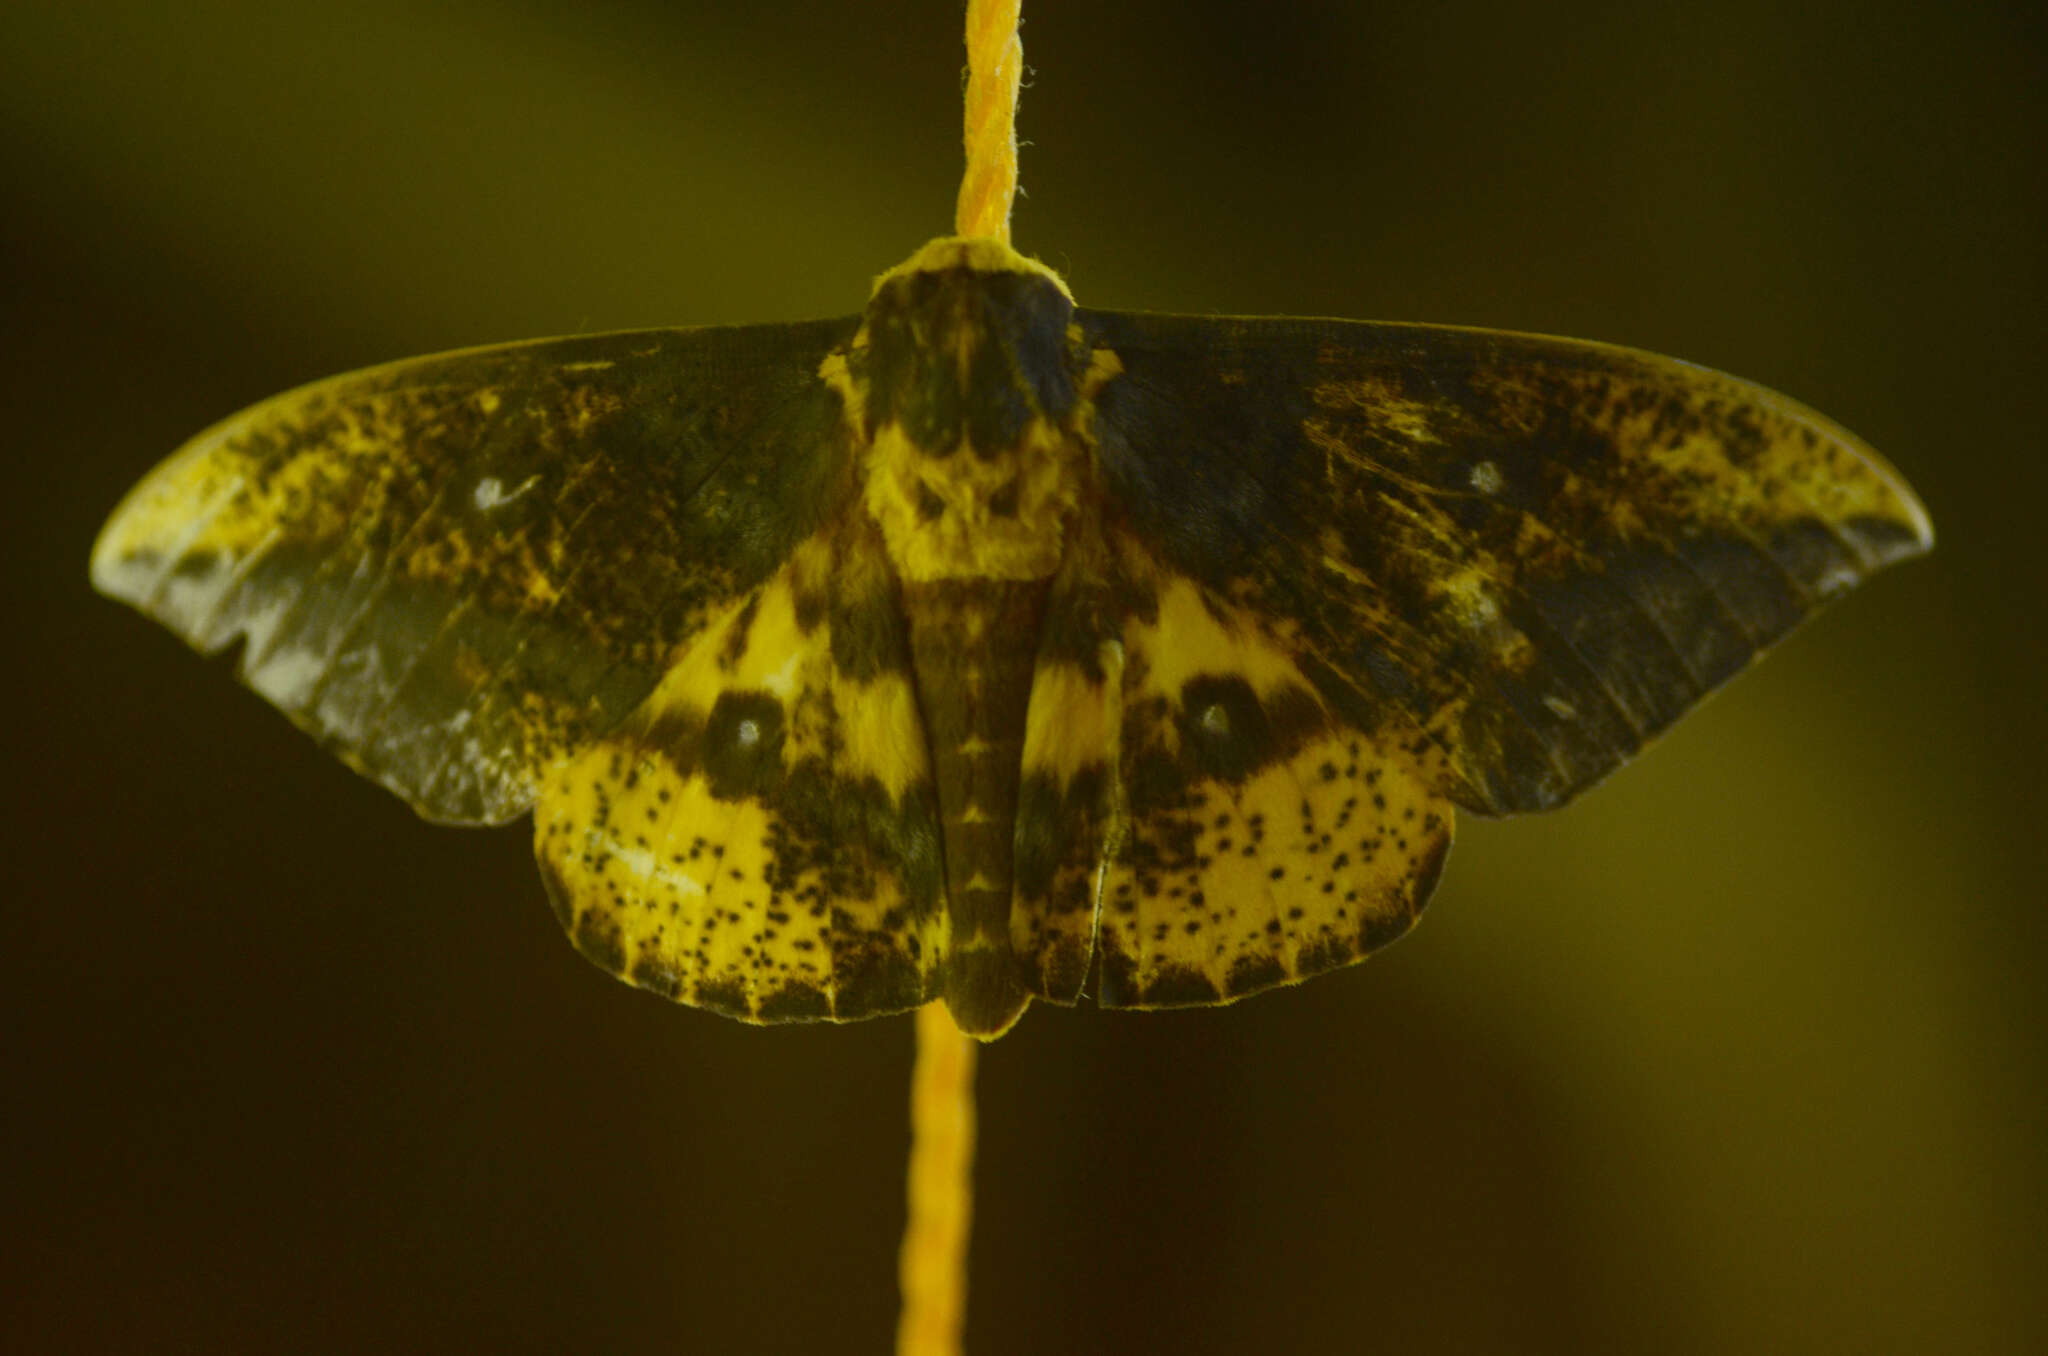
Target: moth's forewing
1383,568
1535,552
454,569
1070,791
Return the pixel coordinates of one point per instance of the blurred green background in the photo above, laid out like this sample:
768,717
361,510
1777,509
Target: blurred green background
1742,1053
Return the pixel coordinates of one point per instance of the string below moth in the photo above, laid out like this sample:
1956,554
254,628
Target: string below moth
987,648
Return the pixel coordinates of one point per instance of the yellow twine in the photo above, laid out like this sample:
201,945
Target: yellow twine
995,68
933,1264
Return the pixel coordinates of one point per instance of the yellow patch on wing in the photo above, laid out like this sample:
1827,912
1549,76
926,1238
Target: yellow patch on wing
1262,841
761,837
1072,723
1066,818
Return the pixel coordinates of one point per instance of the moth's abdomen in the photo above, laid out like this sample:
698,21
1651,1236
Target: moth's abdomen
973,646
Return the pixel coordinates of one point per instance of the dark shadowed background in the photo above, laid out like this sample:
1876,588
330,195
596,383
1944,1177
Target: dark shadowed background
1745,1052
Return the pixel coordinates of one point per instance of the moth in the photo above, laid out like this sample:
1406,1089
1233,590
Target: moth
988,648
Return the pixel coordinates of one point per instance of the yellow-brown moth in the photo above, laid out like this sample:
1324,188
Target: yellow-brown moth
987,648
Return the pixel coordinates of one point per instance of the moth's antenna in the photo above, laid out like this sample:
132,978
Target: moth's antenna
995,68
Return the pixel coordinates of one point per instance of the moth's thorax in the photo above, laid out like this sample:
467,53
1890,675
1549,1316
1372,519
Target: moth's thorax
973,515
966,341
964,382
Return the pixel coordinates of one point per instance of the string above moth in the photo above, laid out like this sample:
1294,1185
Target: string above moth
987,648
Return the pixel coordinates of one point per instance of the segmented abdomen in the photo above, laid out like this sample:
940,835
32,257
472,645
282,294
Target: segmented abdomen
974,644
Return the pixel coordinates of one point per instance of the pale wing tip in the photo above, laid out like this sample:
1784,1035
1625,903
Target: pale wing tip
123,566
1917,535
110,567
1910,530
1912,512
1903,529
115,569
1896,526
162,514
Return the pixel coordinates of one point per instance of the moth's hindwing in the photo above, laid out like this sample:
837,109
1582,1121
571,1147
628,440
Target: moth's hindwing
452,570
1265,838
1069,789
1538,552
762,837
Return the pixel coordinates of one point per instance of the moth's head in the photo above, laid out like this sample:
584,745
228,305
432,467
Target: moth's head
966,343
